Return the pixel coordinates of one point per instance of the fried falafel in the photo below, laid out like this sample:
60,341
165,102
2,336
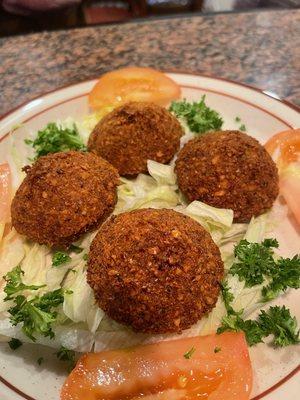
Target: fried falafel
63,196
155,270
228,169
134,133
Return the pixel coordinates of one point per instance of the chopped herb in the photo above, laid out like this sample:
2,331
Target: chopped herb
255,263
242,127
60,258
40,360
189,353
65,354
227,296
217,349
69,291
14,344
14,283
198,116
54,138
76,249
234,322
38,314
276,321
85,257
286,274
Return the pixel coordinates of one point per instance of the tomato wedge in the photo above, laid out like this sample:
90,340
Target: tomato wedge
214,367
290,189
133,84
288,144
288,161
5,196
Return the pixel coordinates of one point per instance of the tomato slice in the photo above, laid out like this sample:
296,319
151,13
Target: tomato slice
214,367
5,196
5,192
133,84
290,189
288,161
288,144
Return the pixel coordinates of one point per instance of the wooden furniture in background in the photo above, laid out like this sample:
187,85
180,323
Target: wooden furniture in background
91,12
111,11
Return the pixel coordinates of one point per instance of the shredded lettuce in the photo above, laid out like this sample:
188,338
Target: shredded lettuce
90,121
143,192
217,221
72,336
163,174
257,229
79,303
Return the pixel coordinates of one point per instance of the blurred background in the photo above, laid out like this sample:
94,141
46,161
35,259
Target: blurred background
27,16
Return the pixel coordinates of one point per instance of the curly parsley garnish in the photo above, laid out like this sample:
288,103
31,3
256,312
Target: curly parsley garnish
255,263
198,116
14,283
276,321
54,138
38,314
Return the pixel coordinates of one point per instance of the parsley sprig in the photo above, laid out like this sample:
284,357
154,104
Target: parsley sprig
54,138
255,264
36,314
15,285
276,321
197,115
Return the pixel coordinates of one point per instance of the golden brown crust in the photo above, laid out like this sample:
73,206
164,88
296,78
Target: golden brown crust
134,133
63,196
156,270
228,169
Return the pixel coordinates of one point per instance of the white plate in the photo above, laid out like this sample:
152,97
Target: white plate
275,371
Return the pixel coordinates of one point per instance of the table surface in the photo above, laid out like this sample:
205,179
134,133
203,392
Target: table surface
258,48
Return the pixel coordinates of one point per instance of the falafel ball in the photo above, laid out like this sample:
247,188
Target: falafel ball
158,271
228,169
134,133
63,196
